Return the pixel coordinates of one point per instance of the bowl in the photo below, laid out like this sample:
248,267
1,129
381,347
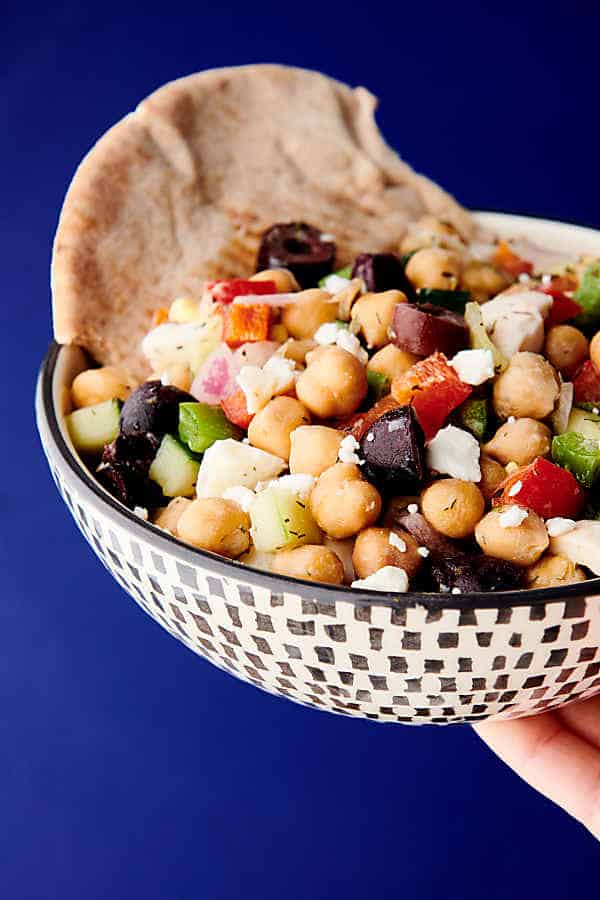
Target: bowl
412,658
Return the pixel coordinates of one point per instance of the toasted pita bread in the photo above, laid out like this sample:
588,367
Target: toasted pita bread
180,191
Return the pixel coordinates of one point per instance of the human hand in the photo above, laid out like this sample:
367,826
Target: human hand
557,753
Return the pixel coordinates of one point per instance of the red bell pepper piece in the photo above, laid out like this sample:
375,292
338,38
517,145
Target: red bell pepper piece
506,259
359,423
563,308
434,390
226,291
547,489
586,384
235,408
242,323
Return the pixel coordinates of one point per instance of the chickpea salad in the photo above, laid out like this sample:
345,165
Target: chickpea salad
426,419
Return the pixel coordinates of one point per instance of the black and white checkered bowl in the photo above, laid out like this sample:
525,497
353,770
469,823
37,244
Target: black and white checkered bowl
412,658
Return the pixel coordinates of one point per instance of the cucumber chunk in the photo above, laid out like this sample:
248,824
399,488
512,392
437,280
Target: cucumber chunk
200,425
473,415
579,455
586,423
479,338
588,295
281,520
92,427
174,469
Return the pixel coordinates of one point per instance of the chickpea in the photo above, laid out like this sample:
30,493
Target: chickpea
429,231
528,387
314,448
453,507
520,441
312,309
553,571
492,475
566,347
312,562
595,350
434,267
169,515
520,544
373,550
391,361
285,281
482,280
271,427
297,350
333,384
97,385
373,314
220,526
347,297
342,502
343,549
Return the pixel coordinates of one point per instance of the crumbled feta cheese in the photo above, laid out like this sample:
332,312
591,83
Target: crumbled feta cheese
455,452
262,384
412,508
395,426
580,544
165,380
511,419
558,526
349,342
511,467
456,590
230,463
524,278
347,451
513,517
397,542
515,488
172,343
596,411
141,511
335,283
444,588
296,484
546,280
327,238
327,333
474,366
370,437
423,551
388,578
243,496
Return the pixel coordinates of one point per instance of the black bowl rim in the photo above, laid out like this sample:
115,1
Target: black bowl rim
325,593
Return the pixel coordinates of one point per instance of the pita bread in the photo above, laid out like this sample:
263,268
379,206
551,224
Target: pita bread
180,191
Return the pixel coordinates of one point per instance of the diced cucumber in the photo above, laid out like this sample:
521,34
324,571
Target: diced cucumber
479,338
473,415
200,425
588,295
586,423
92,427
281,520
174,469
379,385
579,455
453,300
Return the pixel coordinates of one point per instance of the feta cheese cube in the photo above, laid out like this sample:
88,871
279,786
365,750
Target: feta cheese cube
262,384
513,517
333,284
388,578
230,463
580,544
347,451
455,452
474,366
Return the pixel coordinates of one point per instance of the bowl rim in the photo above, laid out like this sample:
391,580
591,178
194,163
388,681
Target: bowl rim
98,497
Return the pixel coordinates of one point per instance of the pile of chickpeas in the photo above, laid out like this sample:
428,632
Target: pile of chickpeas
332,384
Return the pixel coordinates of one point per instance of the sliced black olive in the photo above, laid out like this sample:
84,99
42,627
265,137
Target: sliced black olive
299,247
425,328
153,408
475,573
382,272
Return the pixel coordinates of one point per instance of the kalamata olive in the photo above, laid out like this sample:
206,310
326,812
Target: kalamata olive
475,573
426,536
423,328
393,450
127,482
153,408
382,272
302,249
137,451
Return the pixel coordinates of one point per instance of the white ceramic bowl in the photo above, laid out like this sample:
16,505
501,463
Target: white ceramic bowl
413,658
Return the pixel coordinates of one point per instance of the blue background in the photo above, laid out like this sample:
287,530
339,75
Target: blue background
129,768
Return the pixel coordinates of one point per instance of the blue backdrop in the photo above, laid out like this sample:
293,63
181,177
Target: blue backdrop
129,768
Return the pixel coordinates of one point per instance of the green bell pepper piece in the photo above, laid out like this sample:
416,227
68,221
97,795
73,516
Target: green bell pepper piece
200,425
453,300
473,415
588,295
579,455
379,385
